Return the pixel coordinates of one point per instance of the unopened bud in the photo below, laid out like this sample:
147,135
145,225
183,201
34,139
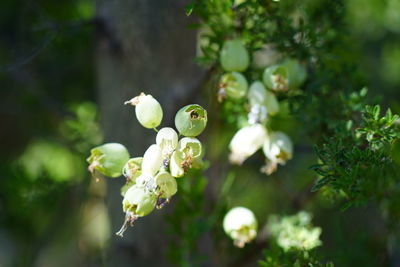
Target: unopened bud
148,111
166,184
233,85
108,159
234,56
152,160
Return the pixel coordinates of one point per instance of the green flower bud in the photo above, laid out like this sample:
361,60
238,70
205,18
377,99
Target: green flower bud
166,184
148,111
167,140
261,96
264,57
152,160
108,159
190,147
138,201
257,94
176,163
290,74
234,56
191,120
241,225
271,103
232,85
276,78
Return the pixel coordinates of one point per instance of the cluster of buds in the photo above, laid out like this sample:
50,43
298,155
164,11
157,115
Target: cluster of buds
151,179
262,103
294,232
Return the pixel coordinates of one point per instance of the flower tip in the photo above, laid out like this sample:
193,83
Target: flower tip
134,101
236,159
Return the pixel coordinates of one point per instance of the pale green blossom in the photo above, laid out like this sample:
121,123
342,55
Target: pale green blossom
294,232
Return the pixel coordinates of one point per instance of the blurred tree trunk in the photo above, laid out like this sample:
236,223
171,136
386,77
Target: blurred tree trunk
143,46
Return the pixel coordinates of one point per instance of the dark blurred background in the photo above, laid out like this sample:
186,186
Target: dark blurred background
66,67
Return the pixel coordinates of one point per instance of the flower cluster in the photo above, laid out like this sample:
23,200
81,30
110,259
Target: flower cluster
262,103
241,225
294,232
151,179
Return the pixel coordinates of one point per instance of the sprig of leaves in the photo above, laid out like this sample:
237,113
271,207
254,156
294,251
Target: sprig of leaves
277,257
360,165
378,131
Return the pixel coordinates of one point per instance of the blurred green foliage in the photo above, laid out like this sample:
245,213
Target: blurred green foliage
45,68
187,222
46,159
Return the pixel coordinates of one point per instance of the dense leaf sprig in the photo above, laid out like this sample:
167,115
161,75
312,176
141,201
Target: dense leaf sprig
277,257
360,165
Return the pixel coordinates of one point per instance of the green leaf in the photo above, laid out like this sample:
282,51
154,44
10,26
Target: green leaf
321,182
189,9
349,125
394,119
316,166
376,111
363,92
346,206
388,115
194,26
368,109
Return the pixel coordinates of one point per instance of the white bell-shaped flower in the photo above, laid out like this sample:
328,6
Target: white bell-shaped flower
246,142
167,140
278,148
152,160
241,225
137,202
